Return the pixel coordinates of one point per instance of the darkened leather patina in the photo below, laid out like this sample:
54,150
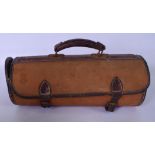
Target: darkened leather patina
82,80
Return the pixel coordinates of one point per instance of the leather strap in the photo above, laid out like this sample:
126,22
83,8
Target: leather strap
45,93
45,103
116,89
79,43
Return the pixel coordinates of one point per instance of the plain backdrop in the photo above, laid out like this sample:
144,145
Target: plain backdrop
42,44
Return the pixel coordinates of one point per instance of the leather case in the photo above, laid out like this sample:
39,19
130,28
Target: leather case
78,80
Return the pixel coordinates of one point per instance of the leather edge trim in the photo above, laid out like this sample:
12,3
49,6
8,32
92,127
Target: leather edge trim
76,95
8,74
46,58
142,98
148,71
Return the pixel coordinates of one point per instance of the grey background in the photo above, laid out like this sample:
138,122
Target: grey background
42,44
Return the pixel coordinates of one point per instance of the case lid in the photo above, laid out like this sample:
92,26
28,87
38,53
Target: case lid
79,76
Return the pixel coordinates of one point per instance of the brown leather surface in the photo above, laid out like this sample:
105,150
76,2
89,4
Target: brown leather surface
77,76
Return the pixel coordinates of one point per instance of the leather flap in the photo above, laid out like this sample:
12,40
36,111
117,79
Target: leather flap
79,76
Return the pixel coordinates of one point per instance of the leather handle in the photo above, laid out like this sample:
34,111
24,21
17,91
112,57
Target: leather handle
79,43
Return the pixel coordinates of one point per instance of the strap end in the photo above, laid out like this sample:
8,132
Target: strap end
110,106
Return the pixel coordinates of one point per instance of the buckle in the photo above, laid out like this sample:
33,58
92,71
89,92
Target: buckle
45,94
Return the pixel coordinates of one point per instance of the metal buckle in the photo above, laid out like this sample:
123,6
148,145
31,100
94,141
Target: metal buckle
45,93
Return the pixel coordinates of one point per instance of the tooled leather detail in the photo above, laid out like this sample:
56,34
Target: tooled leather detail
116,90
45,93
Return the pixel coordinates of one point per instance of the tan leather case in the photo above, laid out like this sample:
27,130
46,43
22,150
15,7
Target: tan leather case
84,80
